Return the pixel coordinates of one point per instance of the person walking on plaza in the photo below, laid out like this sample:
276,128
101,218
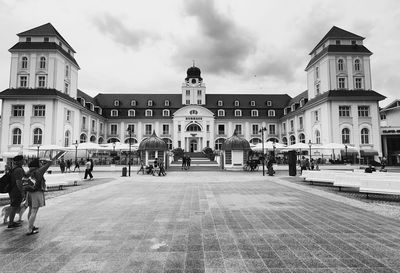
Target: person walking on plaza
303,164
88,170
16,197
69,164
62,165
188,160
184,162
77,166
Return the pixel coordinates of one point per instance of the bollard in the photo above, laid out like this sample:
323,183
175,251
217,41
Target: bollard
124,171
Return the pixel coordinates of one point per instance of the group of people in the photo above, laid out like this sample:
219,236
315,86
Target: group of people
307,164
20,196
186,162
65,166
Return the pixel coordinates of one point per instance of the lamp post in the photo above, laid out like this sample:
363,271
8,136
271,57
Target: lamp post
113,143
309,145
38,150
262,130
345,147
76,150
274,147
129,158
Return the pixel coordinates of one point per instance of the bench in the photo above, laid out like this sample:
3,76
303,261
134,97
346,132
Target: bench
348,180
387,185
324,176
59,181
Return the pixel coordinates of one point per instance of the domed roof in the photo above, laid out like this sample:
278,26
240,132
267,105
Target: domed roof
235,143
153,143
193,72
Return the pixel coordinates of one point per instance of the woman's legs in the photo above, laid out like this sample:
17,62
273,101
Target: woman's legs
32,217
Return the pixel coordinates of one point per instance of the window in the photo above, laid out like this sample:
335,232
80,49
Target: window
131,127
83,122
269,103
302,138
37,136
272,129
168,142
383,116
133,102
358,84
353,42
187,101
165,129
316,115
363,111
28,39
66,88
292,140
67,71
187,92
18,110
114,113
254,113
337,42
317,137
357,65
238,113
149,103
67,137
68,115
166,103
148,129
340,64
271,113
342,83
131,113
238,129
199,101
16,136
24,63
221,129
283,128
179,143
346,136
344,111
165,113
42,63
218,143
237,103
317,89
301,123
93,125
317,72
208,128
149,113
220,103
193,112
83,138
284,140
23,81
113,129
46,39
41,81
254,129
364,136
116,103
221,113
179,128
39,110
101,128
193,128
252,103
198,92
292,125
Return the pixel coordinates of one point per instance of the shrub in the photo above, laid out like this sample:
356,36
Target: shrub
178,152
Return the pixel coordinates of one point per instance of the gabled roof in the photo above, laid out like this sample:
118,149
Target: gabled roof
298,98
337,33
44,46
393,104
45,30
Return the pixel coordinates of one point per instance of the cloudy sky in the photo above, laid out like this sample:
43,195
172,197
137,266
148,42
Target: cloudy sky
254,46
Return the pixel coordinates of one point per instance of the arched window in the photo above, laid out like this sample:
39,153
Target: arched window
166,103
193,112
357,65
254,113
83,138
148,113
114,113
252,103
149,103
16,136
93,139
193,128
165,113
100,140
131,113
221,113
271,113
302,138
364,136
292,140
340,65
237,103
133,141
42,63
133,102
218,143
168,142
238,113
37,136
220,103
24,63
346,136
284,140
116,103
255,141
317,137
67,137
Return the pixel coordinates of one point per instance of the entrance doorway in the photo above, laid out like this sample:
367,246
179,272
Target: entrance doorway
193,146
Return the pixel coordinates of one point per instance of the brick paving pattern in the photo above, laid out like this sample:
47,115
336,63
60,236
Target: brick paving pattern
210,222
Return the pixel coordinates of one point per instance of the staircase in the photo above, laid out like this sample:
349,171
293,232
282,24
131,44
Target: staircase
198,163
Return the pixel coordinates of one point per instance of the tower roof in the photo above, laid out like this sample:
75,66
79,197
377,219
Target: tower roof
45,30
337,33
193,72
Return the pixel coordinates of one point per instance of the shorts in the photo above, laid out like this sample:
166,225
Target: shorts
36,199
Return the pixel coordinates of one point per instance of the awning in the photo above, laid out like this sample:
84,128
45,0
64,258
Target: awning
368,152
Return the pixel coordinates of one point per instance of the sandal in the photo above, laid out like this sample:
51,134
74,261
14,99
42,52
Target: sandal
34,231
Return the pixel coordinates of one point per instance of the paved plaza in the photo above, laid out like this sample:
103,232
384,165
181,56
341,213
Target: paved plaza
196,222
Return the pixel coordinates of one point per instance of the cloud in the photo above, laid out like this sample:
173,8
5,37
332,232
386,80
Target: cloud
219,43
121,34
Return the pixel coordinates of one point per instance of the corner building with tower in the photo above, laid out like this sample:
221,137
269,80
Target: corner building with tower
43,104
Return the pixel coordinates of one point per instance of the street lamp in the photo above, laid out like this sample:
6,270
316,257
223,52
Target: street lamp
345,147
76,151
309,145
274,147
113,143
38,150
130,138
262,130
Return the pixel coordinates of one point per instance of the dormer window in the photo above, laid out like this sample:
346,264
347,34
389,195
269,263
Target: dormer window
337,42
254,113
166,103
238,113
165,113
133,102
114,113
148,113
252,103
149,103
353,42
221,113
237,103
271,113
131,113
42,63
46,39
28,39
116,103
269,102
220,103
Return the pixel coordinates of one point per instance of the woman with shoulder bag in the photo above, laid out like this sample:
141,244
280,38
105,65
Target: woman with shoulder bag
36,191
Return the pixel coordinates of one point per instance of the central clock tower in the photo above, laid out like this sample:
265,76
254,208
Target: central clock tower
193,89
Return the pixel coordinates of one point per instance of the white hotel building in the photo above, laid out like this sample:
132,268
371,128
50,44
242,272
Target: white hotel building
43,104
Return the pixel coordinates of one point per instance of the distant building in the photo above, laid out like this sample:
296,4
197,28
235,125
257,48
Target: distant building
43,104
390,130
